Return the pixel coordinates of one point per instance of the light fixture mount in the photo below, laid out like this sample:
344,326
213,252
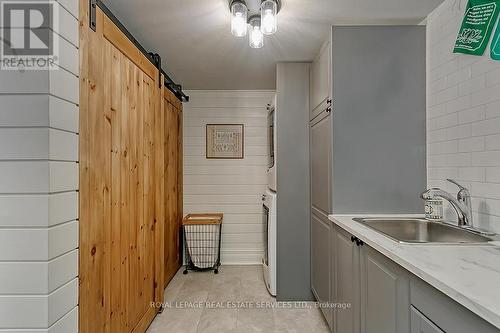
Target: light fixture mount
231,2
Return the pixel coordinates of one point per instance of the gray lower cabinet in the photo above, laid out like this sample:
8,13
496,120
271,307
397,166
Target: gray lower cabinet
421,324
346,282
321,261
385,294
444,312
377,290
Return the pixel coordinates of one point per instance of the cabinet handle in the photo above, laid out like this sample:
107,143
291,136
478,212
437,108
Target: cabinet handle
359,242
353,239
329,101
328,110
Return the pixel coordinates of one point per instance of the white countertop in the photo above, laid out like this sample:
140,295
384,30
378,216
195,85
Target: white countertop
469,275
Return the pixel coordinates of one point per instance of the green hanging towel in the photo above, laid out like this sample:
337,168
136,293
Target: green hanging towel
495,44
479,20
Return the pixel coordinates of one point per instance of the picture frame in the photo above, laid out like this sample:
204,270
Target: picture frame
225,141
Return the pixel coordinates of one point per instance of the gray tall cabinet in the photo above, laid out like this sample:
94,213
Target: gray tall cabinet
367,156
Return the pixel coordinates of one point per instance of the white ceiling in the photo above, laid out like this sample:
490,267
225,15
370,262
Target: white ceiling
198,51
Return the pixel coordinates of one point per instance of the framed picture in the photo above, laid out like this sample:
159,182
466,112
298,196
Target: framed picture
225,141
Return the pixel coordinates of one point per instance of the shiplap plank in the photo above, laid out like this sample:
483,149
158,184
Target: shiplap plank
63,114
229,99
37,278
24,143
247,161
225,170
42,210
23,110
202,120
223,112
197,199
38,311
227,209
224,180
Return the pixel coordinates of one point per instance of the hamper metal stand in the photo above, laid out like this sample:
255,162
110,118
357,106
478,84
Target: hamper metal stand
202,239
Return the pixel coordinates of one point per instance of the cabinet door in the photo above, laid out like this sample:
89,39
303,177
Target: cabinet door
320,155
346,278
321,261
420,323
385,294
320,77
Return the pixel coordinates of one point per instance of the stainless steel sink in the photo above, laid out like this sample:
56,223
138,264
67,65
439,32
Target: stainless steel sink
421,231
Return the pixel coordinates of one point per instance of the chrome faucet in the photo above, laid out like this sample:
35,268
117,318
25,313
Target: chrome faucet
462,204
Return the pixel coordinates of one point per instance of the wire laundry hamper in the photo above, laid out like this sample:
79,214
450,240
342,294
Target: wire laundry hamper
202,239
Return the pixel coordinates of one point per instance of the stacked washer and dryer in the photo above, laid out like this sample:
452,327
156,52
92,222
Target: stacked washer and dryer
269,206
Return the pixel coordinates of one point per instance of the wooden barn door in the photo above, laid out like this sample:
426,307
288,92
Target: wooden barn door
173,183
121,182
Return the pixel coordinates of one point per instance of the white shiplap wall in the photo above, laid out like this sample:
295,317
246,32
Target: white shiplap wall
463,117
233,187
38,191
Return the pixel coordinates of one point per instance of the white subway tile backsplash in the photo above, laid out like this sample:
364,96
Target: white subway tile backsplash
485,96
493,110
442,173
459,104
486,206
471,144
486,190
472,115
489,158
446,147
472,85
449,160
444,96
493,77
471,174
458,77
486,127
493,175
458,132
493,142
444,121
436,136
476,164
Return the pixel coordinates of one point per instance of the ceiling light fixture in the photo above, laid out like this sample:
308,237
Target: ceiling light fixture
256,36
268,12
263,20
239,12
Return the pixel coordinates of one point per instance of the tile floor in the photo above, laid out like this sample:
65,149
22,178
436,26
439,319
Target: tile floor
236,300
